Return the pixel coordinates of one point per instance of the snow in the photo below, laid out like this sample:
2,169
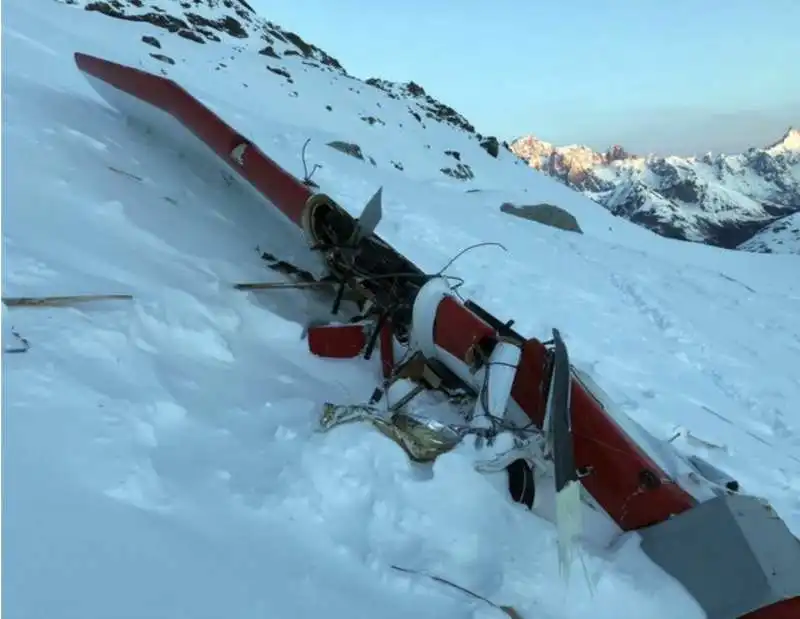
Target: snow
160,456
781,236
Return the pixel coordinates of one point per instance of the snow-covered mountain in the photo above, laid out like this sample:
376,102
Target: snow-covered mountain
782,235
744,201
286,54
160,454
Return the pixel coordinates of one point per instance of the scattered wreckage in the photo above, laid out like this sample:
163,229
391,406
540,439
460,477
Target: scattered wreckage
538,417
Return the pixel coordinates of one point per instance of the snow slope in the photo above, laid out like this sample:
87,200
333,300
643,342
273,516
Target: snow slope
159,455
782,235
719,199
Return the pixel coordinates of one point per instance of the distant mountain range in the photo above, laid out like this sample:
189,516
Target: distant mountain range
749,201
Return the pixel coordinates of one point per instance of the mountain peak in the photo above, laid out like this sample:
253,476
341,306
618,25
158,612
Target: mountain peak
718,199
572,162
789,141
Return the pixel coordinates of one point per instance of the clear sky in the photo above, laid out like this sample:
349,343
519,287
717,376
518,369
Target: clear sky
678,76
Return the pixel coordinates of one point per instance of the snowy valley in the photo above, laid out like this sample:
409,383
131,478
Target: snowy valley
160,453
749,201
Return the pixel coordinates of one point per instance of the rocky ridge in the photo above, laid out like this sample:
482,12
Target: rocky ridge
235,22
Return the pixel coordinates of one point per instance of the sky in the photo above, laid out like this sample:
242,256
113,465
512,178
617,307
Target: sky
676,77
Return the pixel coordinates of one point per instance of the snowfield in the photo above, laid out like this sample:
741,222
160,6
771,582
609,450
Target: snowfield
160,457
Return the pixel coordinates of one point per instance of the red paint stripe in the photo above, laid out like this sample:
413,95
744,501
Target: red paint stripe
456,329
617,464
271,180
528,389
785,609
616,461
337,341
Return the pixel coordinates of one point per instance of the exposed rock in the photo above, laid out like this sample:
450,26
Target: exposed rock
383,85
162,20
268,51
163,58
446,114
547,214
372,120
299,43
151,41
348,148
424,103
275,31
415,89
454,154
234,18
191,35
282,73
462,172
228,3
616,153
491,146
226,24
311,51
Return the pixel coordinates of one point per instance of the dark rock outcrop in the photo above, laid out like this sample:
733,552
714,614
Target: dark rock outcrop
348,148
491,146
461,172
151,41
546,214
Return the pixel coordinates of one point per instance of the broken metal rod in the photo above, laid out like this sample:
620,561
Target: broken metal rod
508,610
283,285
62,301
418,388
